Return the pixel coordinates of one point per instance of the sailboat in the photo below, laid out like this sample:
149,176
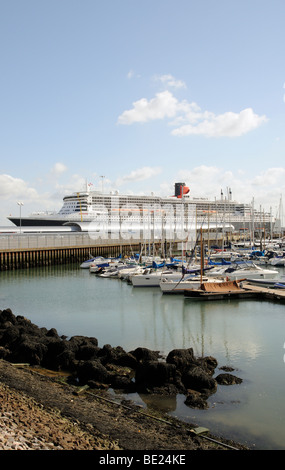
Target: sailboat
214,288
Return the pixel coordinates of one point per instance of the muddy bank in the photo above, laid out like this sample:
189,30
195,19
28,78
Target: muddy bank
77,390
43,412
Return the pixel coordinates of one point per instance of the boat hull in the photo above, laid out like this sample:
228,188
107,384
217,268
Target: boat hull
154,279
267,282
179,286
36,222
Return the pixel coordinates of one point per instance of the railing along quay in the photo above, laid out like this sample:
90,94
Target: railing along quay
24,251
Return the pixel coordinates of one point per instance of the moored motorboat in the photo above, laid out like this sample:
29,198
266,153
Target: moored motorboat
151,277
125,274
276,282
97,261
109,272
115,268
277,261
247,271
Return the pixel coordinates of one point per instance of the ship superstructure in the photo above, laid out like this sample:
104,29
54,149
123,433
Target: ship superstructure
114,208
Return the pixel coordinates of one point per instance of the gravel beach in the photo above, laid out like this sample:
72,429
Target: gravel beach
41,412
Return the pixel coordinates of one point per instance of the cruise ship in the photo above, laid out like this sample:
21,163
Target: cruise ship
91,206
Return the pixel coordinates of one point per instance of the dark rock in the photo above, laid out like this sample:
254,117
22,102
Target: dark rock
7,315
92,370
117,355
29,351
52,332
126,360
83,348
154,374
228,379
141,370
109,355
27,327
4,353
87,352
169,390
227,368
57,352
208,363
78,341
123,383
196,399
144,354
9,336
181,358
66,361
197,379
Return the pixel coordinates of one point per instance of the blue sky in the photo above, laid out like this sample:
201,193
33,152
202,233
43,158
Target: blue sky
146,94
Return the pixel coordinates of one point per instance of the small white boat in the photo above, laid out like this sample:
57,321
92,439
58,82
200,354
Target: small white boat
223,256
125,274
277,261
277,282
109,272
246,271
98,260
114,269
152,278
273,258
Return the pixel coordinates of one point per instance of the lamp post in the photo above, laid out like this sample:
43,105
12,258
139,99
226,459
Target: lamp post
20,204
102,183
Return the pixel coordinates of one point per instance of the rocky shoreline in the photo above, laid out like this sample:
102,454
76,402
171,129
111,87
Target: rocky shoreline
83,372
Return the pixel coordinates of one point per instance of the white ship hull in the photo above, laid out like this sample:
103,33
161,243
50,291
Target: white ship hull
129,212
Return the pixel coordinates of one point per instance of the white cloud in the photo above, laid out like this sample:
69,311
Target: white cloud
170,81
187,117
58,169
132,74
223,125
139,175
270,177
265,188
12,188
207,181
163,105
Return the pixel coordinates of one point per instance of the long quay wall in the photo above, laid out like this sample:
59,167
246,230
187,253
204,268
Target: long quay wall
24,250
32,258
27,251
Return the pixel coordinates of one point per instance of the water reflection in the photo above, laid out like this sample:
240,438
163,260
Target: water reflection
164,404
245,334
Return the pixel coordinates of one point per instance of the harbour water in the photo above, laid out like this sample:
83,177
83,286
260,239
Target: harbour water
248,335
